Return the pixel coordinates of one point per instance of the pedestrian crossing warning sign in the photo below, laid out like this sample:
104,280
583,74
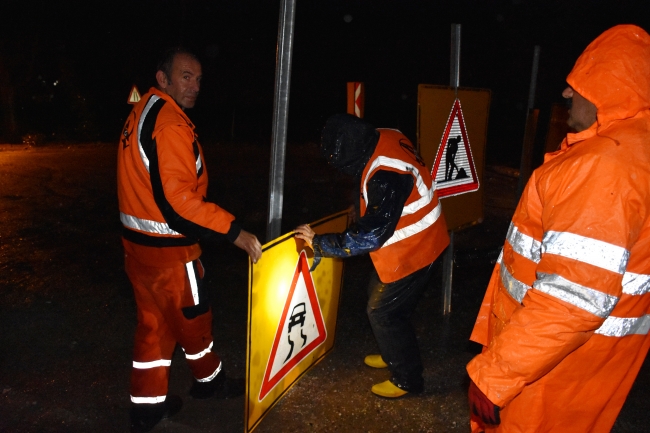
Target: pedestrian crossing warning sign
453,170
134,96
301,328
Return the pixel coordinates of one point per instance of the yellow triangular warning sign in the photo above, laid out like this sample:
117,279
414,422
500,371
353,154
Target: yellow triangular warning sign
300,331
134,96
453,170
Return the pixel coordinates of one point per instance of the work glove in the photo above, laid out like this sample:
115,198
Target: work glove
481,406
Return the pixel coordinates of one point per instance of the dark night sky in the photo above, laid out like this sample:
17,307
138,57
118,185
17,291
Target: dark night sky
97,50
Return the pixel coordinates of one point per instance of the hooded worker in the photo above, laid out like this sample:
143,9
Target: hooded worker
401,225
565,319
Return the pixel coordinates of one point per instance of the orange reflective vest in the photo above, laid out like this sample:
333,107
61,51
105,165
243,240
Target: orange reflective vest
421,232
565,319
162,180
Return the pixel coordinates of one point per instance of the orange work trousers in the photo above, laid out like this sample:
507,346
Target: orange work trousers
172,308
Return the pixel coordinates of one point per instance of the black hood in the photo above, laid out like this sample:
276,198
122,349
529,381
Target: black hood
347,143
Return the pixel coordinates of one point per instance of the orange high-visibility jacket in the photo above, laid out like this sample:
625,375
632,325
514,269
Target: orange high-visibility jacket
421,232
566,315
162,179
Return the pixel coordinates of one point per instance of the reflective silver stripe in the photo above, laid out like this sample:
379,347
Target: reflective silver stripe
143,116
146,225
212,376
200,354
523,244
516,288
408,231
500,259
593,301
193,285
623,326
636,284
148,400
426,194
152,364
587,250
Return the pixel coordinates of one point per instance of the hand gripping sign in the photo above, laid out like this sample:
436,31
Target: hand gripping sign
291,317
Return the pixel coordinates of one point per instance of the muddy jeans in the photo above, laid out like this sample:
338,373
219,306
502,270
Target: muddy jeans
389,309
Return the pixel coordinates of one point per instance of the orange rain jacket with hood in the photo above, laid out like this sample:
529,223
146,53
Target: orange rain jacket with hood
566,315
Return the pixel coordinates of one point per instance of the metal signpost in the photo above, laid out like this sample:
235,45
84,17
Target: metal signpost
526,164
280,117
448,260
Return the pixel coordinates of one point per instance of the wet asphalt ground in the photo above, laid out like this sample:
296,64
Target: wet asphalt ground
67,314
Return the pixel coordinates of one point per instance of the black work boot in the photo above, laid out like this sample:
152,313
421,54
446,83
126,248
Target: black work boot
144,417
221,387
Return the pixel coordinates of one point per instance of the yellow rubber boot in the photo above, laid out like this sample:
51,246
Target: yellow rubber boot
375,361
388,390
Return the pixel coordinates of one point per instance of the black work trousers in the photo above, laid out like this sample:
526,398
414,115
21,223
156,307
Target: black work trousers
389,309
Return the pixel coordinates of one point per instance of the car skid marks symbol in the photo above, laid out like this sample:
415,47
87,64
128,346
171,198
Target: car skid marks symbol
297,318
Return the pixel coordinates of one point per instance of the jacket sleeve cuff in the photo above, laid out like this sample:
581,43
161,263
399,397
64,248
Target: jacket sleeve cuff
493,382
234,231
318,250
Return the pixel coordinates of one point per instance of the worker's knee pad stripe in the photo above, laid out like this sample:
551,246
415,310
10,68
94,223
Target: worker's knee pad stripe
152,364
200,354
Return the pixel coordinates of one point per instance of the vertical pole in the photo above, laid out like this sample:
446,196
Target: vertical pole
454,70
526,163
280,117
533,78
447,275
448,260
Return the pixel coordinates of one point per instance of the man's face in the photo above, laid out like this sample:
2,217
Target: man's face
582,113
185,81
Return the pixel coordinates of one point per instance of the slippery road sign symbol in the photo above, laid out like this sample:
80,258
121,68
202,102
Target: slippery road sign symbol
301,328
453,170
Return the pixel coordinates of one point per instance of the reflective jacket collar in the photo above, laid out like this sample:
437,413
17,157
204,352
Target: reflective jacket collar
173,103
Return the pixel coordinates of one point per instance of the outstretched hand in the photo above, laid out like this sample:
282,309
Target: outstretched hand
249,243
305,233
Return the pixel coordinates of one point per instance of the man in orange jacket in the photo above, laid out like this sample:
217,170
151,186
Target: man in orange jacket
565,319
162,185
401,226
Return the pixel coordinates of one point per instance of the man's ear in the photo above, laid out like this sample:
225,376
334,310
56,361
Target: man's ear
161,78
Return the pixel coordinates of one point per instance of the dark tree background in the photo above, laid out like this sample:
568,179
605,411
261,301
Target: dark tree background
66,67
